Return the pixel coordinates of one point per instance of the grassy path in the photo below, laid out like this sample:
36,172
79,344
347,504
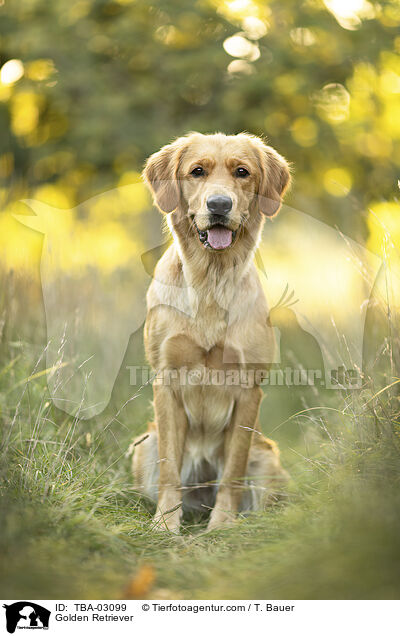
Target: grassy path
72,525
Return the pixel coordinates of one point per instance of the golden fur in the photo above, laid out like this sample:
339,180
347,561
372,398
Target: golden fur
207,310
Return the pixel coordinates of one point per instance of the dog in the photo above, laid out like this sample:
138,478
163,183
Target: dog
206,311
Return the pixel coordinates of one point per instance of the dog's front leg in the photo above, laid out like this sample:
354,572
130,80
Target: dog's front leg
236,452
172,425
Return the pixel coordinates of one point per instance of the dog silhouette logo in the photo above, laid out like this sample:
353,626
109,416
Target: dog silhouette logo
26,615
330,276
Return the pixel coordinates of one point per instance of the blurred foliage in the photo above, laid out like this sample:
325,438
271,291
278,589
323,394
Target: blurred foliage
89,88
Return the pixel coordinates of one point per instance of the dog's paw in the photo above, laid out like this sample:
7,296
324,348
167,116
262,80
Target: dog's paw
168,521
159,525
220,519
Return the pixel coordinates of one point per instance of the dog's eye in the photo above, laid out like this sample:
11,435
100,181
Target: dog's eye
242,172
198,171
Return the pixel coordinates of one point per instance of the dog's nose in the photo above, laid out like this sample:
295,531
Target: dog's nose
219,204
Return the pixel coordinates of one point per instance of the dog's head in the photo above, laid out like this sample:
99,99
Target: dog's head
219,183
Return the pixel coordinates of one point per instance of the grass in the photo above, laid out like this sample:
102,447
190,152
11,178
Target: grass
72,525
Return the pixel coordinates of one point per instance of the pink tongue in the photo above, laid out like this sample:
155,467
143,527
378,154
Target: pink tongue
219,237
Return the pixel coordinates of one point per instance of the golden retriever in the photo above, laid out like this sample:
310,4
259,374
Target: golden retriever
207,313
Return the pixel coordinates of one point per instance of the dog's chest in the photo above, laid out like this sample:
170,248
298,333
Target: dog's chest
209,410
209,326
207,381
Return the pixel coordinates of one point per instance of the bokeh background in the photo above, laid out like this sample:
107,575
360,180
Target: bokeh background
90,88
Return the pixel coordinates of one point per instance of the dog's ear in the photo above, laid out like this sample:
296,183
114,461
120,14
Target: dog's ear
160,174
275,180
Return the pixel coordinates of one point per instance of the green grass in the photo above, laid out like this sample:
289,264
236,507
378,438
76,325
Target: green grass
72,525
